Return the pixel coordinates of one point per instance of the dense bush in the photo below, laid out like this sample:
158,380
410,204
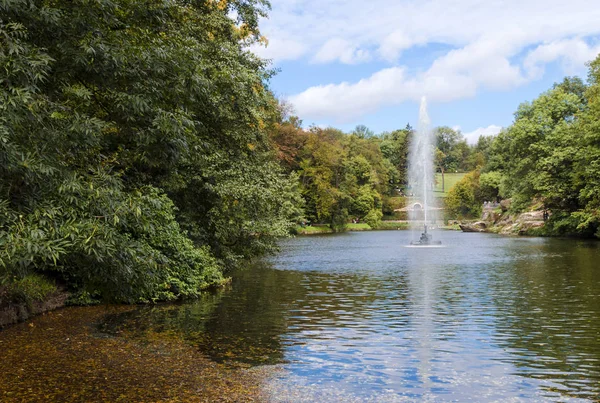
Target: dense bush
464,199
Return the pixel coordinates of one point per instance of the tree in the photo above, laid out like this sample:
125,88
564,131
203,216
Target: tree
462,200
134,158
537,142
550,155
454,149
363,132
395,148
439,162
489,186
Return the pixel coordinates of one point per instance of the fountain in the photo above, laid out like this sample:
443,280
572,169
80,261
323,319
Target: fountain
421,179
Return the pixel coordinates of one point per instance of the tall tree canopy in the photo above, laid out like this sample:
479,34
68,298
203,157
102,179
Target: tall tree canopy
134,160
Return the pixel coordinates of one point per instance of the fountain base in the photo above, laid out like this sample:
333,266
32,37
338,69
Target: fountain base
426,239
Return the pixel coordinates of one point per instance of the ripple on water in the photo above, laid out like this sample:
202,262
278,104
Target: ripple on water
359,318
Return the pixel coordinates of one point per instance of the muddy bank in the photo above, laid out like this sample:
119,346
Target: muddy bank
11,312
60,357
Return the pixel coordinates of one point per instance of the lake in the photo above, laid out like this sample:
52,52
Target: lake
359,317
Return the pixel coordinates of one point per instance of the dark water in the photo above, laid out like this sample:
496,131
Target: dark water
359,317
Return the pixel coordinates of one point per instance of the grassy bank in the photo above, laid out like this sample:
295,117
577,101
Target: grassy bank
454,227
312,230
20,299
323,229
359,227
392,225
27,290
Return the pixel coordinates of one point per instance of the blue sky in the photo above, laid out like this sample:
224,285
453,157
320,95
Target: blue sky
350,62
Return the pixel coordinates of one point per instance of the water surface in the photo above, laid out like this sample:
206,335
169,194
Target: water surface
358,317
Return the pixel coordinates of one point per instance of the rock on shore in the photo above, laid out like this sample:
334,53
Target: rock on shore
502,222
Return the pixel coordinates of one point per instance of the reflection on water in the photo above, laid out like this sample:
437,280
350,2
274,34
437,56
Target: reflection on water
357,317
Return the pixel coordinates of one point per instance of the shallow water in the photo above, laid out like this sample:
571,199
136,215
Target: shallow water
358,317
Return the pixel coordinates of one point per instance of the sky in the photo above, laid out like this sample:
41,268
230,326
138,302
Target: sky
348,62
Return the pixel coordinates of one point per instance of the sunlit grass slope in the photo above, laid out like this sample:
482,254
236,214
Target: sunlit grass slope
450,180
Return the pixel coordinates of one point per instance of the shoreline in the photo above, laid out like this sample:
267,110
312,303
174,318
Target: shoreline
322,229
13,313
60,356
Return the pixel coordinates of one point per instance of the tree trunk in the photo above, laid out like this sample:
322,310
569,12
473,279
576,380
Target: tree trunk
443,183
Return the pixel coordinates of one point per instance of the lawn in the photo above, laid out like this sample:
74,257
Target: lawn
309,230
450,180
323,229
358,227
393,225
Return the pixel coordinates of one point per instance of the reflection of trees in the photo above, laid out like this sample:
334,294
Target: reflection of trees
174,319
269,304
250,321
550,319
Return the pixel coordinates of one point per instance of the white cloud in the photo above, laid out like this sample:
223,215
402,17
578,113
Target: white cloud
487,42
573,53
342,50
473,136
393,44
349,100
457,75
390,27
281,49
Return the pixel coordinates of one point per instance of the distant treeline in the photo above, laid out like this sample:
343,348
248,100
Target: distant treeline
360,175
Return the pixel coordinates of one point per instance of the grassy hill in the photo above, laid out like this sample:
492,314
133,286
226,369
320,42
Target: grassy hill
449,180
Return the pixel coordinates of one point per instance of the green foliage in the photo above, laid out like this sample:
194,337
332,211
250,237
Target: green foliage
30,288
463,199
134,158
489,186
363,132
373,218
453,153
342,176
395,147
551,153
84,298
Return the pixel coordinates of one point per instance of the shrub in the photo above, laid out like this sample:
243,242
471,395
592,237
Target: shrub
28,289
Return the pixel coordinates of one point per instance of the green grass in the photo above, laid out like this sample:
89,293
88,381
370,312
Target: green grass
450,180
29,289
323,229
454,227
310,230
393,225
358,227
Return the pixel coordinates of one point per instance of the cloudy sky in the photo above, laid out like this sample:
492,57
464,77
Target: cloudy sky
349,62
